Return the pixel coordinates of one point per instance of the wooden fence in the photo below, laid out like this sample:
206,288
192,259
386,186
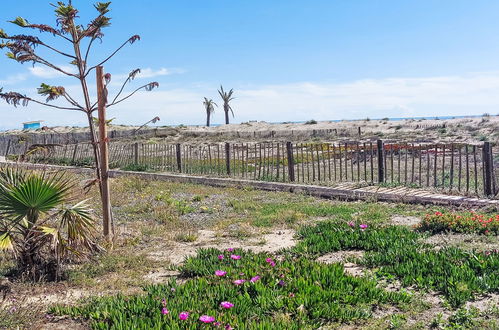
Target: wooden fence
460,168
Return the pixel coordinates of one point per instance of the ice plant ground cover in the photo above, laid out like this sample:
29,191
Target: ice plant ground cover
399,252
293,291
469,222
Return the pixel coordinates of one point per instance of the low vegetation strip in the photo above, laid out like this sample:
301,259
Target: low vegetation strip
381,194
399,252
470,222
244,290
291,290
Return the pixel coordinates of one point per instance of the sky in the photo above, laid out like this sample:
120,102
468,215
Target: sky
287,60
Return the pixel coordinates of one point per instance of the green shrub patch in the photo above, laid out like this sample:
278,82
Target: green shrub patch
243,290
460,223
398,251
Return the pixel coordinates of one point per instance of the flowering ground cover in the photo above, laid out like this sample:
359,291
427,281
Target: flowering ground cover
242,289
398,251
253,291
469,222
161,222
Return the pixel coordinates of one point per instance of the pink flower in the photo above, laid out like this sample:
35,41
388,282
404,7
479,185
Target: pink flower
217,324
183,316
164,311
235,257
220,272
228,327
221,257
163,302
351,224
239,282
270,261
206,319
230,249
254,279
363,226
226,304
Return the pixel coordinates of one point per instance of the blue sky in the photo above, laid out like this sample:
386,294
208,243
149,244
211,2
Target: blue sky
286,59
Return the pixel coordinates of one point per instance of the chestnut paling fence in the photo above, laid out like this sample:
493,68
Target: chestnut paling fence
454,167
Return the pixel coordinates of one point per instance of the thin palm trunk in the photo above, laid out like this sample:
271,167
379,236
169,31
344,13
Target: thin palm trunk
226,110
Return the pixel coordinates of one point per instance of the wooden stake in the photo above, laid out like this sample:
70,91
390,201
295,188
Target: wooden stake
107,217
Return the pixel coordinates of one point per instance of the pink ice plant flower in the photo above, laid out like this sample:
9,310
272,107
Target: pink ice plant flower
206,319
235,256
221,257
230,249
254,279
183,316
270,261
164,311
363,226
239,282
351,224
226,304
220,272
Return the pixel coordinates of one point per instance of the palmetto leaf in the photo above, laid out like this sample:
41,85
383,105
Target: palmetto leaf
6,242
32,195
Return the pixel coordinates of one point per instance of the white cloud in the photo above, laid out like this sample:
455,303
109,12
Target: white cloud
14,79
49,73
151,73
375,98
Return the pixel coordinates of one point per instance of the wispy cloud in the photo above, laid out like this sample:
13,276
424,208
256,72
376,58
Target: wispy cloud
375,98
148,73
49,73
14,79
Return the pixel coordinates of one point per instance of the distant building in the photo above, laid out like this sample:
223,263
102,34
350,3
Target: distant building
32,124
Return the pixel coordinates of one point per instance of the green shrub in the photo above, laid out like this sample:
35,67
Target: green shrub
397,251
295,293
460,223
137,168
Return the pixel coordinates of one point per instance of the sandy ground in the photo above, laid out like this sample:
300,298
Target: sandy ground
472,129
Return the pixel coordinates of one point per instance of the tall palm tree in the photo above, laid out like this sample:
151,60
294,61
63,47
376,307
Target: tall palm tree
41,223
209,107
226,97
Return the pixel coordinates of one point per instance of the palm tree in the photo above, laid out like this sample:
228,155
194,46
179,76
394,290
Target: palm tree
226,97
209,106
39,223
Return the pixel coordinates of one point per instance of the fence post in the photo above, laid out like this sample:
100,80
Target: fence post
381,162
291,161
8,147
488,168
74,154
179,157
227,157
136,153
360,132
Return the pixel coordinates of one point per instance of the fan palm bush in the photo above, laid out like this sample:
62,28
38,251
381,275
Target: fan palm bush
41,222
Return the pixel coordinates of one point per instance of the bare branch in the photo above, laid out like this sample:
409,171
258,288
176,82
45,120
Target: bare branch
131,40
148,87
88,51
131,76
57,51
16,99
